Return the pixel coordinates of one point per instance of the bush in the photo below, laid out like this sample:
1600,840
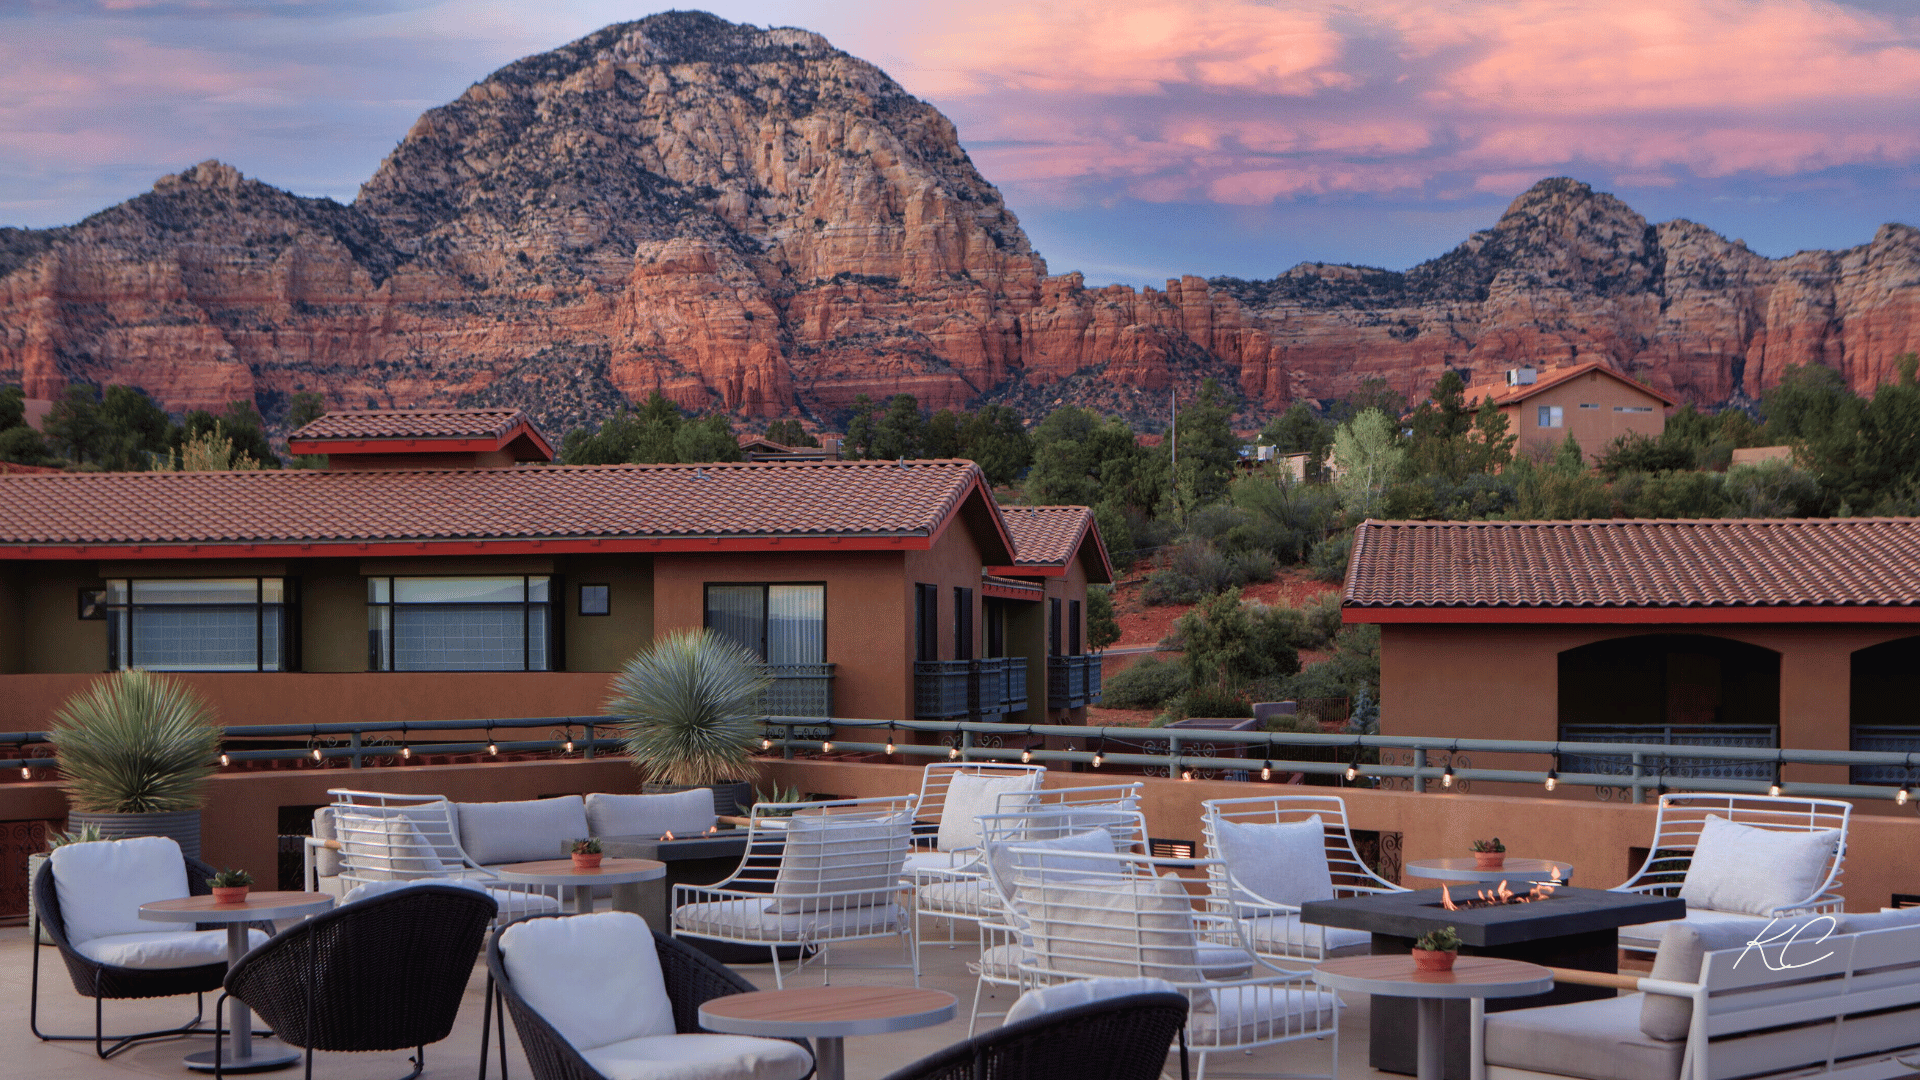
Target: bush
135,743
1197,569
1323,619
1146,684
1230,645
1329,560
1205,701
1772,489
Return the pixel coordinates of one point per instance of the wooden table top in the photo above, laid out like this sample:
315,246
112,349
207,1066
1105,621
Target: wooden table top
1472,976
564,868
828,1011
257,905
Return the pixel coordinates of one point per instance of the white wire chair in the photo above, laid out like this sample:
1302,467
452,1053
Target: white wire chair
1274,928
955,892
813,874
1089,915
384,836
935,781
1676,834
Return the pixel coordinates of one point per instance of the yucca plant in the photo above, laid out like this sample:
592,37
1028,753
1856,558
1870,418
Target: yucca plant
690,708
135,743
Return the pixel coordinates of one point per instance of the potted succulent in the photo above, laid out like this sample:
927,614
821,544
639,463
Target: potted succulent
586,853
689,711
791,795
135,751
1435,950
1489,854
230,886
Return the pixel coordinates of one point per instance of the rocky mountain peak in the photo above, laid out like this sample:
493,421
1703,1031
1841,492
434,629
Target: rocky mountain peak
211,173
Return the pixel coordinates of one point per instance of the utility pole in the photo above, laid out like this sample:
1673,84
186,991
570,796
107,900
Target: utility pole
1173,446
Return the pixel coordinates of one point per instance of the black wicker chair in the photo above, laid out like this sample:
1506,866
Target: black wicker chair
693,978
102,981
1121,1038
381,974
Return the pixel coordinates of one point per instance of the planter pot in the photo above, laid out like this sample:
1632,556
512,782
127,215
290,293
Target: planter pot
182,826
231,894
1489,860
587,862
1431,960
729,797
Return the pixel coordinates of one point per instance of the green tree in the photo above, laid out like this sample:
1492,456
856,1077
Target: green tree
1102,628
1083,459
1561,489
708,439
1205,448
1868,456
1368,455
995,438
790,433
1440,427
1117,534
305,407
1372,393
73,426
1228,646
941,438
642,437
901,430
860,430
1808,403
19,442
1300,431
1490,445
13,407
240,422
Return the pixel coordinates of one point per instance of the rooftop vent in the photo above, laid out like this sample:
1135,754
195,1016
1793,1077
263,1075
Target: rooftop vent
1522,376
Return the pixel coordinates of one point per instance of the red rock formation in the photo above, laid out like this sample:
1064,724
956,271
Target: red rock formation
752,220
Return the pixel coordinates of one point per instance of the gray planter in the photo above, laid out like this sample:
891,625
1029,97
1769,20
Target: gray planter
182,825
732,797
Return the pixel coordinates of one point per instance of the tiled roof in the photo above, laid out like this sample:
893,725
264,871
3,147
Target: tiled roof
618,501
1552,377
1842,562
414,424
1045,535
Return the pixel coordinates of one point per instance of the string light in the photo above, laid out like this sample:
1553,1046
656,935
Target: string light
1266,771
1773,789
26,772
1100,753
1188,775
1446,777
493,748
567,747
1353,764
826,746
766,743
224,759
1905,793
953,753
1553,770
1026,752
406,747
889,739
317,755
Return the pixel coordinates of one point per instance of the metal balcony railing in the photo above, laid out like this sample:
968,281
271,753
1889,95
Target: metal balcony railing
1886,740
1748,736
953,689
799,690
1073,681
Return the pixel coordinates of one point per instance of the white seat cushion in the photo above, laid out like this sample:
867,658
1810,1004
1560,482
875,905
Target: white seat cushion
700,1057
1286,935
682,813
1278,862
157,950
1647,936
1249,1015
595,978
1216,962
970,795
101,885
966,897
1739,868
923,859
1686,943
1068,995
748,920
853,859
1000,962
1598,1040
508,832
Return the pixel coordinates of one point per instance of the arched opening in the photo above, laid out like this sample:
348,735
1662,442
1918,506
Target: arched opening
1670,680
1884,705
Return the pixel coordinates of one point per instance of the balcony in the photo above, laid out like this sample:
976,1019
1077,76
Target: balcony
1073,681
799,690
1885,740
1755,736
958,689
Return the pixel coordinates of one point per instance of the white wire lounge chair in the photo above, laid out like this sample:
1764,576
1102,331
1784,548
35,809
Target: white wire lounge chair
952,795
385,836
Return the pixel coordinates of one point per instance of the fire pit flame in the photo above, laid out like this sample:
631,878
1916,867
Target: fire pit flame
1501,895
668,836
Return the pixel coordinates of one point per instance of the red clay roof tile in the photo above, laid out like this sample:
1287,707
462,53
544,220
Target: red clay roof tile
1842,562
1045,535
413,424
1552,377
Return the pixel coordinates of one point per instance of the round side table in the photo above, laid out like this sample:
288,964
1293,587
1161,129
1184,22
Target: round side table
579,883
1475,977
1530,871
246,1055
827,1015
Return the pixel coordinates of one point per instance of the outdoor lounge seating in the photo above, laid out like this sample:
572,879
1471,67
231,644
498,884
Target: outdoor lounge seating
1272,854
1741,859
1801,1004
87,898
1121,1035
602,997
953,794
1090,915
813,874
381,973
380,836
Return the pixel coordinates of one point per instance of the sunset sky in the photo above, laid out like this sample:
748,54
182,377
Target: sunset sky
1136,139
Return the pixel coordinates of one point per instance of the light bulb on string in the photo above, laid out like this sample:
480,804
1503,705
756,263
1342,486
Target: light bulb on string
1553,779
1446,777
1266,771
1773,789
567,747
826,746
317,755
890,737
26,772
493,748
953,753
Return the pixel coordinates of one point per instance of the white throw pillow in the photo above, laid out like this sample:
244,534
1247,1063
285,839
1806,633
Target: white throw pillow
1279,862
101,885
385,848
1745,869
511,832
1006,860
682,813
1686,943
1069,995
859,855
969,795
1136,928
595,978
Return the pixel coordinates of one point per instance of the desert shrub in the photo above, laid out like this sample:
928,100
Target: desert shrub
1146,684
1323,619
1229,644
1247,567
1205,701
1329,561
1197,569
1772,489
1214,522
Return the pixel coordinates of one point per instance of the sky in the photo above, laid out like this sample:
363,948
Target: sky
1135,139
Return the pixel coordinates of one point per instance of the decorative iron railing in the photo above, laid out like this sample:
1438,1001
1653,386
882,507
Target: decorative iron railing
1073,681
1751,736
799,690
954,689
1887,740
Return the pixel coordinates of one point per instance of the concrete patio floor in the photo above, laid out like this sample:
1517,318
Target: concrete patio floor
868,1058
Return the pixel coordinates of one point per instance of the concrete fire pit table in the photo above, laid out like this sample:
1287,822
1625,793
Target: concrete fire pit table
1574,928
694,860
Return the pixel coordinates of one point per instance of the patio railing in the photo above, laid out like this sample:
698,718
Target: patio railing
1671,735
799,690
1073,681
1887,740
955,689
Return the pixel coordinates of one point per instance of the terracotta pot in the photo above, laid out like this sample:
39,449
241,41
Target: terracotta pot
231,894
1489,860
587,862
1433,960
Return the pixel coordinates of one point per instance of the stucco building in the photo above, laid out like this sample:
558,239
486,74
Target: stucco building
1592,402
430,573
1800,633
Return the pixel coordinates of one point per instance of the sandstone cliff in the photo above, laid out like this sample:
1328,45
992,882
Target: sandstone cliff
755,221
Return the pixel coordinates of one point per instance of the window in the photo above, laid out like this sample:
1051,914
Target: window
996,628
779,624
926,622
962,623
1053,628
1551,416
1073,627
1589,405
1633,408
459,624
596,600
197,624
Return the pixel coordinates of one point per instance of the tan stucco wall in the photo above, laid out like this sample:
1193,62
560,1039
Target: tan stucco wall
953,562
56,638
333,616
1592,428
13,628
605,642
